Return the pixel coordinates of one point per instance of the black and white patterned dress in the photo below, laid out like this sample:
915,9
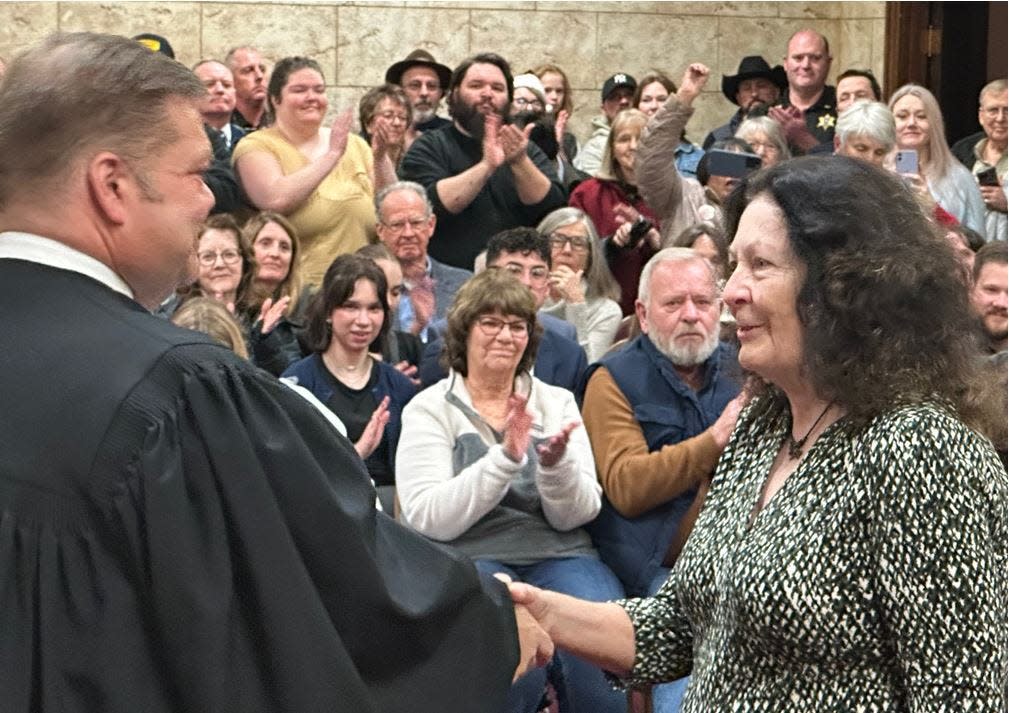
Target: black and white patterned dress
874,580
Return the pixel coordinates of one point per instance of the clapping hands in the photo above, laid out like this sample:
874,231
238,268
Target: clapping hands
518,425
503,143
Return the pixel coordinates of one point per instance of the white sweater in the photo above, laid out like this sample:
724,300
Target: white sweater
455,484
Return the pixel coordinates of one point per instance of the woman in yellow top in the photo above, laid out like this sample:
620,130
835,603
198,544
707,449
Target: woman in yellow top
322,180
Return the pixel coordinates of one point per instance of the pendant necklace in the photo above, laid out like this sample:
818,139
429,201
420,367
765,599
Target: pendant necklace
795,446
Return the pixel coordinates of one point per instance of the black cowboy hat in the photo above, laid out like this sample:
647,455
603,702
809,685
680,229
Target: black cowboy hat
753,67
419,58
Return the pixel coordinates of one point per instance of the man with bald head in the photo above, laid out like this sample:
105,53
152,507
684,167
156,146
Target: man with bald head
807,110
170,512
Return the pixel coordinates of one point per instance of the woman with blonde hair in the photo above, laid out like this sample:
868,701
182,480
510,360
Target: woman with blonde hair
275,248
920,128
207,315
616,207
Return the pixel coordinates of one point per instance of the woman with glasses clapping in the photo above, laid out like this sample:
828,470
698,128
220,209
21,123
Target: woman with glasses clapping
582,290
385,114
494,463
224,269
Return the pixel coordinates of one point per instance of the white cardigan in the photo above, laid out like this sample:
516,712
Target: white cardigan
443,504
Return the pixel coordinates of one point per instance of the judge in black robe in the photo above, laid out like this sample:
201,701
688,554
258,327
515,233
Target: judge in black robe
181,532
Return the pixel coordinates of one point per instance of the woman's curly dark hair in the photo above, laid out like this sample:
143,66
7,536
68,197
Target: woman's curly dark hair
493,290
884,306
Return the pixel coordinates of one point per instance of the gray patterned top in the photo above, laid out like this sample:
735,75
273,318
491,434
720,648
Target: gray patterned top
875,579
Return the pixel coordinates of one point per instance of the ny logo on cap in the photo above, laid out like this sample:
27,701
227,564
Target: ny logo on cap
619,78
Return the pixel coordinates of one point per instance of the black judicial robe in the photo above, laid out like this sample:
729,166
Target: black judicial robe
181,532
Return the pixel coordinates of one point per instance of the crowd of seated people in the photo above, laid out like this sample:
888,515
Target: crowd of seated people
464,394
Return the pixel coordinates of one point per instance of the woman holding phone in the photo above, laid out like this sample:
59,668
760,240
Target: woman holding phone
922,151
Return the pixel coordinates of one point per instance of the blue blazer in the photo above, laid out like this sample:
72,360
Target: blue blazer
447,281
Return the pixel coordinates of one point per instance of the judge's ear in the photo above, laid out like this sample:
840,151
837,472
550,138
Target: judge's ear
111,183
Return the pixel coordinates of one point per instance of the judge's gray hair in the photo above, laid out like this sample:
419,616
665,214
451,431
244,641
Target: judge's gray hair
83,92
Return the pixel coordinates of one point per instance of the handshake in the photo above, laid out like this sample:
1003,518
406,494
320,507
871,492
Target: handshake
599,632
536,648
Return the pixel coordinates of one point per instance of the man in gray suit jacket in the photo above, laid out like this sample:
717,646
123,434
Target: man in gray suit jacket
406,223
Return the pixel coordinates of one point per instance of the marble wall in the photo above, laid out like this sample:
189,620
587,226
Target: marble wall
356,41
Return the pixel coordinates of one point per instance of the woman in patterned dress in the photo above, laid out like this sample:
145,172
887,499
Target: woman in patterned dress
851,554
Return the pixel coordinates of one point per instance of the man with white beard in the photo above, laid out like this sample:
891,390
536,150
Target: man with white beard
424,80
659,412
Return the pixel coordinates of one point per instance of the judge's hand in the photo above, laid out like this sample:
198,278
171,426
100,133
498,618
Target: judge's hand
493,152
372,434
535,647
514,141
518,423
422,299
553,449
694,79
566,284
271,313
994,198
339,130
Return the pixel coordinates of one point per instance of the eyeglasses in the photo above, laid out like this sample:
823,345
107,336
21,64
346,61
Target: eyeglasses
523,102
393,116
559,240
229,257
398,226
492,326
539,273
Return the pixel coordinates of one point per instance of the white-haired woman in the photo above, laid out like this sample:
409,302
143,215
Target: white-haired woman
766,137
865,130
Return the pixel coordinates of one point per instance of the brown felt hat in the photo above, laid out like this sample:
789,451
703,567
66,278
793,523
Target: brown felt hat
419,58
